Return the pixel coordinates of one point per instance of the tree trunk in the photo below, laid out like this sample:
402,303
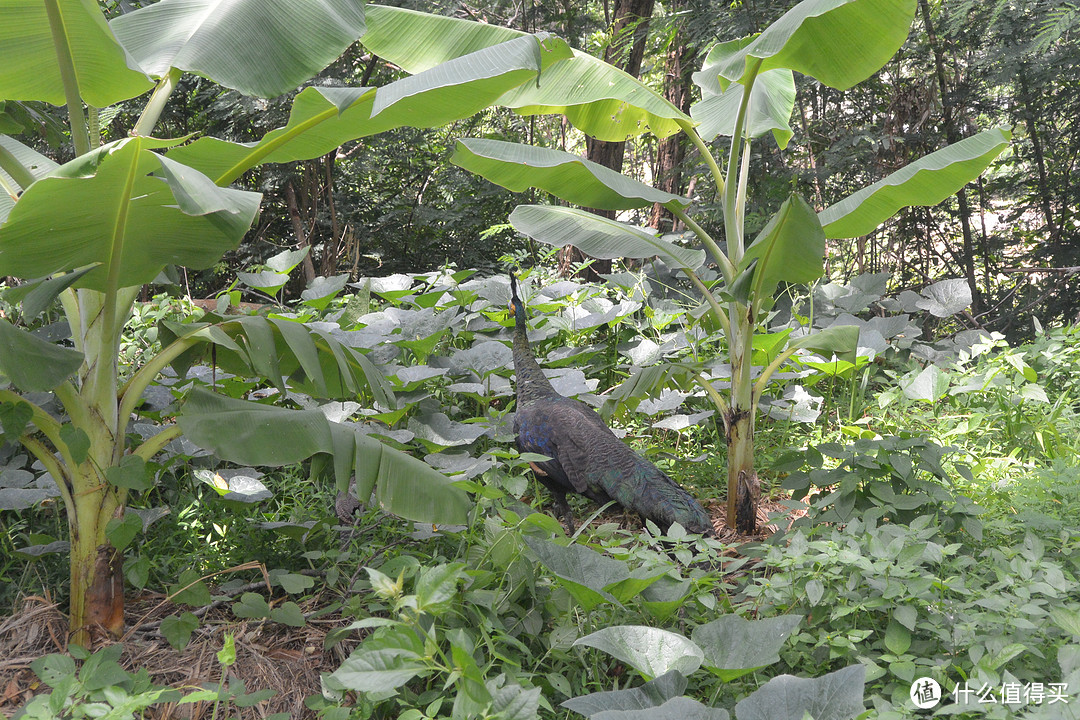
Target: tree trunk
952,134
671,151
1037,150
629,31
302,239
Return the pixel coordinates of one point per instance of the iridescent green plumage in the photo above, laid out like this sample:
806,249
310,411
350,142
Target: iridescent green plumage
586,457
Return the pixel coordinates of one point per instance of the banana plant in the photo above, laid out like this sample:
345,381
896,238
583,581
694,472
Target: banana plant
747,92
95,229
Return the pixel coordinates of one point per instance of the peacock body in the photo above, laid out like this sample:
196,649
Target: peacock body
586,457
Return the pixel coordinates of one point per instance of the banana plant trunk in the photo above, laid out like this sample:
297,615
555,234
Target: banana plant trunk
743,488
97,583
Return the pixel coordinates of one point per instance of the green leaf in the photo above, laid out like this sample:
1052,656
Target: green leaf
177,629
650,651
33,162
437,586
929,384
649,695
322,290
791,247
104,73
378,670
291,583
130,221
570,177
945,298
77,441
838,42
131,473
839,340
597,98
250,433
288,613
323,118
281,350
38,295
121,531
266,281
14,417
597,236
251,605
926,181
287,260
772,101
214,39
897,638
582,571
835,696
190,590
33,364
734,646
1067,618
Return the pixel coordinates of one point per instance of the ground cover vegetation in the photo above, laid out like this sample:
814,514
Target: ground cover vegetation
915,432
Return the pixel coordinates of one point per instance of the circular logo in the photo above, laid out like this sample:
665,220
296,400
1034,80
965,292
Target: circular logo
925,693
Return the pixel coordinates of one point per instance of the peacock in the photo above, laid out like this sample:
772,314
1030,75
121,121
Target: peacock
586,457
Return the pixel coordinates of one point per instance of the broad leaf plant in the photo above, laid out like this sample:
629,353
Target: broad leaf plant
747,92
94,230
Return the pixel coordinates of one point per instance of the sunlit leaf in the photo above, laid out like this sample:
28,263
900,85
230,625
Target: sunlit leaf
772,101
927,181
838,42
104,72
650,651
214,39
598,237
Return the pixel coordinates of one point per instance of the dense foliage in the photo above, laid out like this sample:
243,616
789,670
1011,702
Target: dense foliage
920,487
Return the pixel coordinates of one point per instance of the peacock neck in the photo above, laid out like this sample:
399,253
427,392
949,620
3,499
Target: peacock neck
531,381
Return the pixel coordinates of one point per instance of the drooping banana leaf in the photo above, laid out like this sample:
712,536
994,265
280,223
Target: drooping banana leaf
126,208
838,42
252,433
284,352
322,119
598,237
570,177
927,181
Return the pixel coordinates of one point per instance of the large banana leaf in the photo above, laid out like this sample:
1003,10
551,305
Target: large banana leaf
256,434
325,118
287,353
926,181
570,177
839,340
772,100
31,161
791,247
104,72
417,41
597,98
128,209
839,42
33,364
598,237
259,47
